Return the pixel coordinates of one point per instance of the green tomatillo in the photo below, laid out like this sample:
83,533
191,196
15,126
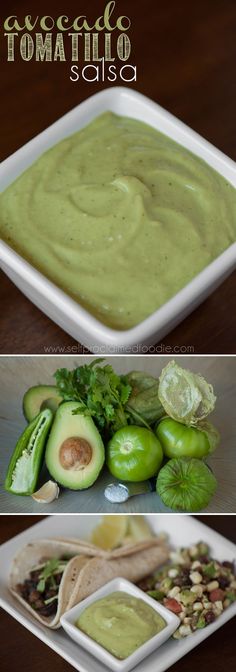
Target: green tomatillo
134,454
186,484
177,440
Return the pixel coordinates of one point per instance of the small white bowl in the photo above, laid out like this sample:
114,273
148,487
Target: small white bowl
68,314
68,620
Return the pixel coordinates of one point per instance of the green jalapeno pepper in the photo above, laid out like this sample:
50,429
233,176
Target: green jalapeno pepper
26,461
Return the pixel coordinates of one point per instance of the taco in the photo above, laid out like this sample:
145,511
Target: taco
50,576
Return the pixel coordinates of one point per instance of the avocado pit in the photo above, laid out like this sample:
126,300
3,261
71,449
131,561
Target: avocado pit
75,453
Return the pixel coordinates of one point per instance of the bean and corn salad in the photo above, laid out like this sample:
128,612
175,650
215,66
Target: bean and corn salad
194,586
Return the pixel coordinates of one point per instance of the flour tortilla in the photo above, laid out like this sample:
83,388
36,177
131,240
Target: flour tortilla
89,569
122,551
132,566
40,551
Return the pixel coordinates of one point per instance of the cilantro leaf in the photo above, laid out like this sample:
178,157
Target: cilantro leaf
100,391
47,572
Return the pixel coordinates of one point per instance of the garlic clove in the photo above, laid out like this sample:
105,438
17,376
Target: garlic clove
47,493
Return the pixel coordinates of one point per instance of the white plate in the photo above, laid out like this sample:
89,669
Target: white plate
74,319
183,530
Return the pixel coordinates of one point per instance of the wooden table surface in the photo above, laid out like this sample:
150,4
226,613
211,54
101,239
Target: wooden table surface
186,57
18,646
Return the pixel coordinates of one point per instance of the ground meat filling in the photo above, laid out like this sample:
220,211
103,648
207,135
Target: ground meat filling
41,588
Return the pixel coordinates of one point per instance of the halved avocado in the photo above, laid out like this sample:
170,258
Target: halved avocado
75,452
39,397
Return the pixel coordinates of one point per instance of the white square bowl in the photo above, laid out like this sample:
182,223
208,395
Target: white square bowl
68,314
69,618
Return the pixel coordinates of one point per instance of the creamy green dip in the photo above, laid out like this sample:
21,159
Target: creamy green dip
120,623
120,217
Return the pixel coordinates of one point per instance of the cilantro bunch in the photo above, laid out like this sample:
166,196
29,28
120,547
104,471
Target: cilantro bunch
100,393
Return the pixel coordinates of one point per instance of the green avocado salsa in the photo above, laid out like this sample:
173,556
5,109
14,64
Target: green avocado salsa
120,217
120,623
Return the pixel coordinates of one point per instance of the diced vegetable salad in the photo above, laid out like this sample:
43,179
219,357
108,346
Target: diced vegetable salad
194,586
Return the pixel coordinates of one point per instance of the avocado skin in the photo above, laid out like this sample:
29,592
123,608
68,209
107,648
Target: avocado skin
39,397
65,426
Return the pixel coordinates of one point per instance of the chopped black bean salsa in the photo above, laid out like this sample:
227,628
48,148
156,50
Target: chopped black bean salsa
40,590
194,586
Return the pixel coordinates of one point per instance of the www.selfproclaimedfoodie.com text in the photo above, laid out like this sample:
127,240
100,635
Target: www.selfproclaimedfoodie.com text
79,349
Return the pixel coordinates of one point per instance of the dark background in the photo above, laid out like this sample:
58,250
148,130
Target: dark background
20,648
185,54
